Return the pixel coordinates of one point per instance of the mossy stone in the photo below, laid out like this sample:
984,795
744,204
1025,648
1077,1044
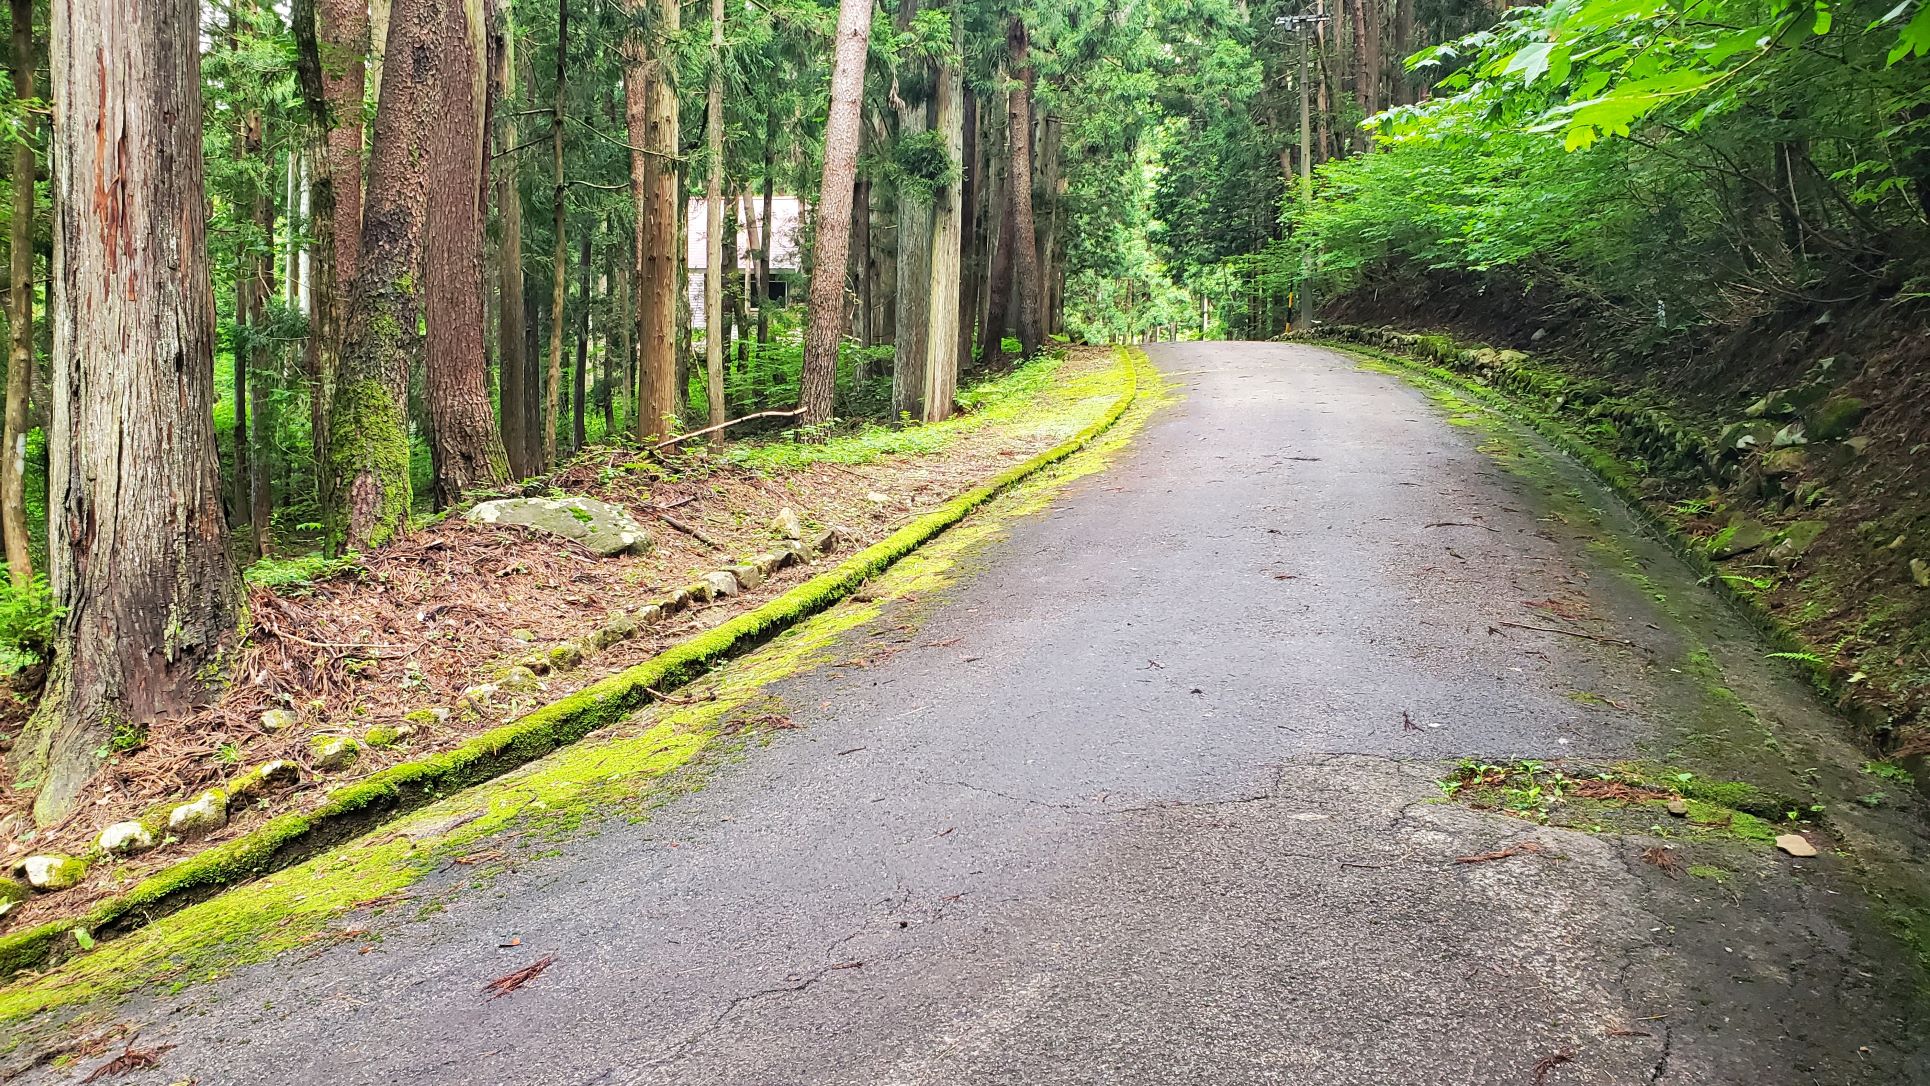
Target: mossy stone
53,871
1797,538
266,777
1920,572
426,717
200,816
12,892
1741,536
721,583
619,629
331,753
1835,417
565,656
518,680
381,735
126,839
276,720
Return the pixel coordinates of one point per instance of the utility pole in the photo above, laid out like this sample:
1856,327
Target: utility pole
1301,27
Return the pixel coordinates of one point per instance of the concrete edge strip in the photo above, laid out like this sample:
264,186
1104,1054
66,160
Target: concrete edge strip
355,808
1780,636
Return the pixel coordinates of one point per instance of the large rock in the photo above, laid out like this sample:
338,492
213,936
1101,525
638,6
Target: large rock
126,838
199,817
600,526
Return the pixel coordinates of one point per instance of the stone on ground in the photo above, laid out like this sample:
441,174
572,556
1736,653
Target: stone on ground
600,526
53,871
786,525
721,583
126,838
200,816
333,752
1795,844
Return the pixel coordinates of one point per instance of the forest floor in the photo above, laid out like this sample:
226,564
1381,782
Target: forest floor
392,639
1311,727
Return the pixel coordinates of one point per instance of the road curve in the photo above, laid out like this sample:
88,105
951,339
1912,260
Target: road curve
1149,798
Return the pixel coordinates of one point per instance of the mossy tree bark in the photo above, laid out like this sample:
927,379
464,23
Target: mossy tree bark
912,325
137,541
368,420
20,307
825,318
469,452
559,240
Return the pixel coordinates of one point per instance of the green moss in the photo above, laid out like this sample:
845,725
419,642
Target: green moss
369,439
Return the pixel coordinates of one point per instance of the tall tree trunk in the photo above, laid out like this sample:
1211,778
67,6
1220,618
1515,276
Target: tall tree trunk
998,278
1366,17
580,378
714,323
948,211
606,369
826,316
469,453
261,495
764,228
511,380
1025,250
20,307
248,139
1051,147
861,252
651,109
369,418
343,27
559,243
912,324
136,538
1401,82
970,222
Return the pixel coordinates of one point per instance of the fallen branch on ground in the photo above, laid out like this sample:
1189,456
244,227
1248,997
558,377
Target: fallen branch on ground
1572,633
509,982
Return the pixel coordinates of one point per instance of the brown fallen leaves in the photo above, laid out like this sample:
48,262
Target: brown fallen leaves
1550,1062
509,982
130,1059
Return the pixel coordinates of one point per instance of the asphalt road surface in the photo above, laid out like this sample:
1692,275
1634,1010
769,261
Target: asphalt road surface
1151,798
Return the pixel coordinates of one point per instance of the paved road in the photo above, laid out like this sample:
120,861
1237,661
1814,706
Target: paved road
1154,816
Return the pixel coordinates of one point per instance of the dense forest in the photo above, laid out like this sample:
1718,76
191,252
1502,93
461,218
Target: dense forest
285,277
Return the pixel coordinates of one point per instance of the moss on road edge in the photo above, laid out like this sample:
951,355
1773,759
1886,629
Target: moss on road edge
355,808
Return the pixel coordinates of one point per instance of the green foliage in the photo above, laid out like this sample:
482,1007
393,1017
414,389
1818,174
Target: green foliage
27,616
297,576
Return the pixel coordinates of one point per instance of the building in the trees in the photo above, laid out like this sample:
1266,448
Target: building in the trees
786,215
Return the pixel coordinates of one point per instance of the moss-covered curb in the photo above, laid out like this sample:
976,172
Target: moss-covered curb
354,808
1500,380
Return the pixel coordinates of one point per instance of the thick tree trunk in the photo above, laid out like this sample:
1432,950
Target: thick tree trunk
344,38
469,453
136,538
1025,250
20,307
651,109
368,420
948,210
714,321
826,317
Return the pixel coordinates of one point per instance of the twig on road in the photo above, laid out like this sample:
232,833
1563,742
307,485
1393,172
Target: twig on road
1573,633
